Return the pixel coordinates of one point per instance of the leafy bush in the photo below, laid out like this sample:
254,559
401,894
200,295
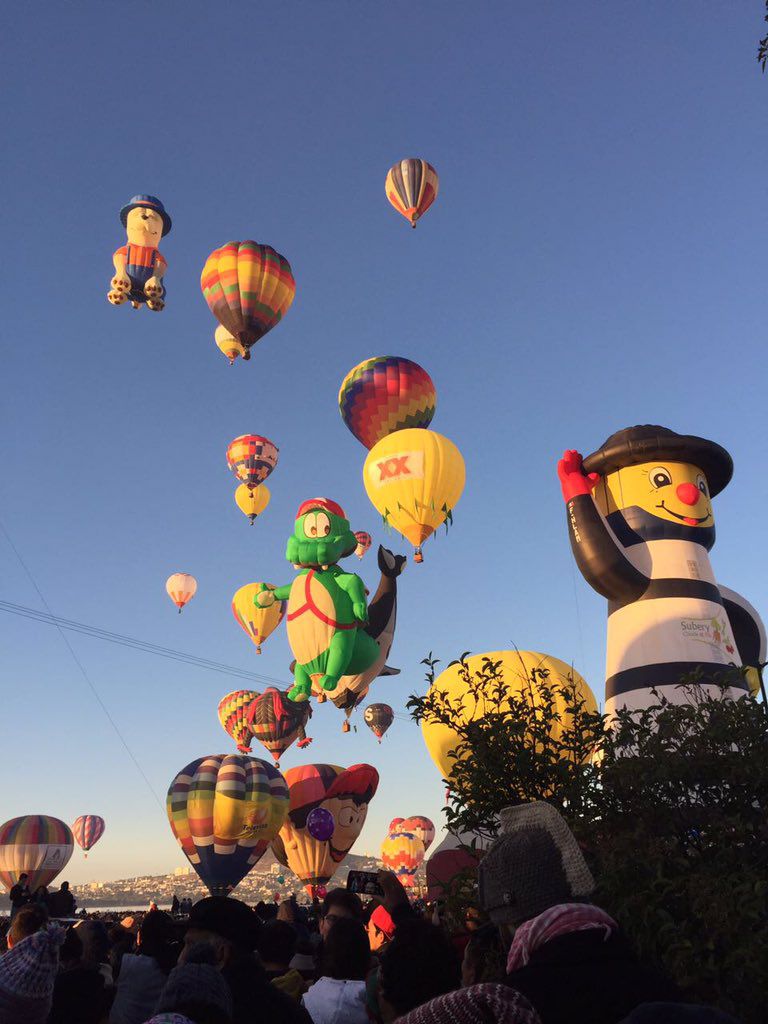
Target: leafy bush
669,804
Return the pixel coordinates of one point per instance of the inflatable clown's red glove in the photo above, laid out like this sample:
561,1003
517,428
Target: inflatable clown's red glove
573,480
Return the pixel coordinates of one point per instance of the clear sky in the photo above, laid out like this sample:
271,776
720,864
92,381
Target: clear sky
595,259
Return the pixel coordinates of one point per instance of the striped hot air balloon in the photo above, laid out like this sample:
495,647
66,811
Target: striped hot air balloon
232,715
224,811
402,853
36,844
257,622
412,187
181,588
277,722
421,827
384,394
227,345
252,458
249,289
87,830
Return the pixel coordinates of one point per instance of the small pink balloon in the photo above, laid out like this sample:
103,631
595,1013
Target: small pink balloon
320,824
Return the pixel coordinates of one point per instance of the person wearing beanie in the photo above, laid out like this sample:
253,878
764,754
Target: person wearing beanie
197,990
232,930
480,1004
27,975
566,955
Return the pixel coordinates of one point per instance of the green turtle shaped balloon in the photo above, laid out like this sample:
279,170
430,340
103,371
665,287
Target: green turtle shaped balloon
327,610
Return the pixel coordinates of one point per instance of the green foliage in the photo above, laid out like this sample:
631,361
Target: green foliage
670,806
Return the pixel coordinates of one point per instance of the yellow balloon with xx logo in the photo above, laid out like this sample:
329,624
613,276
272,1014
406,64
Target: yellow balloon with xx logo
414,478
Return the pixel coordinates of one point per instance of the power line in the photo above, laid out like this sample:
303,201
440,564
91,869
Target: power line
97,633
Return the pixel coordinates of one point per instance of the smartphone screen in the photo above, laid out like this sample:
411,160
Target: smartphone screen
364,883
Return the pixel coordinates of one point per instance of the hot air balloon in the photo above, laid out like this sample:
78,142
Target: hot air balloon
252,458
252,502
411,187
421,827
259,623
87,830
232,715
249,289
228,345
36,844
364,541
277,722
403,852
345,793
393,825
516,668
181,588
224,811
378,718
414,478
385,394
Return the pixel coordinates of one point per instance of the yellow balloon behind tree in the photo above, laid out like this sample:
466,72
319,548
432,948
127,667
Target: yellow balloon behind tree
252,503
414,478
516,667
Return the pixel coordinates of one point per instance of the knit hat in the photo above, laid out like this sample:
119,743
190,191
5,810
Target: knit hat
535,864
196,983
27,974
478,1004
170,1018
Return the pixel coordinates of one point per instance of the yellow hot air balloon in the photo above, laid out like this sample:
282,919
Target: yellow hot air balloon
228,345
516,668
402,852
414,478
252,503
181,588
259,623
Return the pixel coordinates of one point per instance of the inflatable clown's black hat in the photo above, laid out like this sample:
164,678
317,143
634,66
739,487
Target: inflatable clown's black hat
646,443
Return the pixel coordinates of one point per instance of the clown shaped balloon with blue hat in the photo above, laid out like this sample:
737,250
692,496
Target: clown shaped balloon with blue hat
139,265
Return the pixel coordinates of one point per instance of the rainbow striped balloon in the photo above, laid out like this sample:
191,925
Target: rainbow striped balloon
249,288
232,715
385,394
36,844
412,186
87,830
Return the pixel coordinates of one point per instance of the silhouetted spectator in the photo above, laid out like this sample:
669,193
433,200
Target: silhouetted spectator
338,904
62,903
232,929
338,996
276,948
567,955
143,974
19,894
79,992
419,964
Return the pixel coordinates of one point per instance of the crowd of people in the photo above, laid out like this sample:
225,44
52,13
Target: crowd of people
534,950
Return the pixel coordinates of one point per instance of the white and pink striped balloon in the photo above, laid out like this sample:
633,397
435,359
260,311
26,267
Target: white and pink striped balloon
87,830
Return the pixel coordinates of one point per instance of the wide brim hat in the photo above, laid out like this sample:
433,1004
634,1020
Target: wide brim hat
647,443
149,203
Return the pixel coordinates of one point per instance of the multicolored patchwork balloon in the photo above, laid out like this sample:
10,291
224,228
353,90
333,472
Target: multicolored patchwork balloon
423,828
384,394
252,458
257,622
35,844
224,811
249,289
402,853
87,830
277,722
232,715
412,187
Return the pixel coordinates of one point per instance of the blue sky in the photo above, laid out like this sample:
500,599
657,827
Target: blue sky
595,259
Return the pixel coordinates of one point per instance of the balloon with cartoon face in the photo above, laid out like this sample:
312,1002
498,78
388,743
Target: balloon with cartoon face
345,794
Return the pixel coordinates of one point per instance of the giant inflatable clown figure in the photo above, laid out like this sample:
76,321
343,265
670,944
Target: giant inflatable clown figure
641,527
326,609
